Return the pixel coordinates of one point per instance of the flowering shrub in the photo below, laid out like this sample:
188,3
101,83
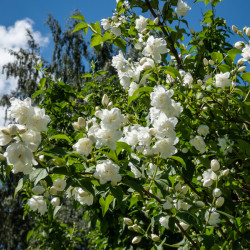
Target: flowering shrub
158,154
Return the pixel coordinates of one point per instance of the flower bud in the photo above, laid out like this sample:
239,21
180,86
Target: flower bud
167,205
155,237
53,190
90,124
177,187
248,32
110,105
241,69
98,114
136,240
199,82
46,194
184,189
184,150
81,122
105,100
215,165
200,43
235,29
97,108
55,201
225,172
239,32
184,225
219,202
156,21
240,61
217,192
244,29
188,56
38,189
200,204
2,157
130,228
128,221
135,227
205,61
192,31
239,45
208,183
211,62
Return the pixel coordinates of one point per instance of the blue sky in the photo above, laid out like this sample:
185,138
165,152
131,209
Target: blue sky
17,15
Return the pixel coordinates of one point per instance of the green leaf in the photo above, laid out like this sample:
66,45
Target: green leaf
187,217
122,145
179,159
217,57
233,52
118,193
163,185
105,203
96,40
19,186
37,175
138,93
61,137
38,92
80,26
30,233
246,77
42,83
132,183
60,170
86,75
79,17
172,71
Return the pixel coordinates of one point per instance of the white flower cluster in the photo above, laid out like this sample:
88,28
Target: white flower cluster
107,171
198,141
26,134
82,196
223,80
245,50
163,119
105,134
182,8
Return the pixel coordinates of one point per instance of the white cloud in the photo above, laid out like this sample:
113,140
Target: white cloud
15,37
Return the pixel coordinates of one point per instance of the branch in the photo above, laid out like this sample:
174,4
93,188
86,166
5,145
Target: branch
171,42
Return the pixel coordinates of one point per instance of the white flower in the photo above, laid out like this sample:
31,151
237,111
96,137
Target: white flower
167,205
147,63
188,80
215,165
107,137
32,139
141,24
222,80
208,177
133,87
225,144
59,184
214,218
165,147
203,130
21,110
111,119
164,221
116,30
38,121
182,8
160,97
144,136
217,192
53,190
219,202
105,24
38,203
83,196
83,146
107,171
120,63
246,52
38,189
55,201
134,170
198,143
154,48
20,157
